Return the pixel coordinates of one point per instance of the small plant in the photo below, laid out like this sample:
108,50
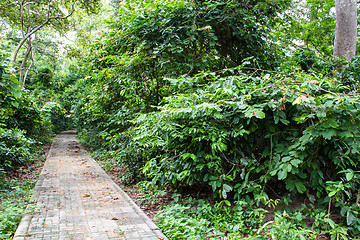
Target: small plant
285,226
200,219
150,194
14,198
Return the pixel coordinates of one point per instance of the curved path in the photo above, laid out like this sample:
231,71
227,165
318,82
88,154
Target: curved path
75,199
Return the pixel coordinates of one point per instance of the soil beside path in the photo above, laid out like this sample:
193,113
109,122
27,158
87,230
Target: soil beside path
75,199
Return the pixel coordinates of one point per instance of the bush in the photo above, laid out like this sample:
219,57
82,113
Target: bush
56,115
15,148
23,126
351,75
243,135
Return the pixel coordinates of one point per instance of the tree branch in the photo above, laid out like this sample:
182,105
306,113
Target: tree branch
37,28
263,70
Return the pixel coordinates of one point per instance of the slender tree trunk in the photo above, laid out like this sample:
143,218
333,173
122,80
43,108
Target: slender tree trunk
346,29
28,34
23,65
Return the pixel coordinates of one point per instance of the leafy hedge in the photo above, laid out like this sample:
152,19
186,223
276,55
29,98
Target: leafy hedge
239,133
200,220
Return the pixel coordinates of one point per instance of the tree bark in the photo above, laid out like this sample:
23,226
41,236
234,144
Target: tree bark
346,29
23,65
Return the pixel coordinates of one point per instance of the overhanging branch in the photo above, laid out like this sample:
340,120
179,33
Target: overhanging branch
37,28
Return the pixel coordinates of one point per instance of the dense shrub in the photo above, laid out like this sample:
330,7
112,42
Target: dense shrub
148,41
351,75
15,147
23,125
248,136
14,195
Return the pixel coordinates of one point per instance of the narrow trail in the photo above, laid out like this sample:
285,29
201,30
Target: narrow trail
75,199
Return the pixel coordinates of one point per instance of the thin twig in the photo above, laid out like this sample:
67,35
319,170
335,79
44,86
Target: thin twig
263,70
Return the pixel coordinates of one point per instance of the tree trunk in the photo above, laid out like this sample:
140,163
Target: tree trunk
23,65
346,29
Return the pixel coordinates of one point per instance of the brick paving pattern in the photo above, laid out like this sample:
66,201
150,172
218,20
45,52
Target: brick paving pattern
75,199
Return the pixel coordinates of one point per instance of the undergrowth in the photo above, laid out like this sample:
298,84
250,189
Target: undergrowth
203,220
14,195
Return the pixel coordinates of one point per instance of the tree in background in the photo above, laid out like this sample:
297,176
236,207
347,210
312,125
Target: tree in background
346,29
32,16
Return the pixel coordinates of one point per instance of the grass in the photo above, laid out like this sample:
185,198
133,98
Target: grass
15,193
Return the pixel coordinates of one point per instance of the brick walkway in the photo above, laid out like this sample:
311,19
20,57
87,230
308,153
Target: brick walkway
75,199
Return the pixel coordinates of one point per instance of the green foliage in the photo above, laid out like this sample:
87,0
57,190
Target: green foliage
152,40
36,13
150,194
351,75
23,126
344,193
198,219
311,23
15,148
43,78
14,196
10,218
55,114
293,225
238,134
174,37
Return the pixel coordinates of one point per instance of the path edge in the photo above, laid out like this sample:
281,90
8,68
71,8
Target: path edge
23,227
136,208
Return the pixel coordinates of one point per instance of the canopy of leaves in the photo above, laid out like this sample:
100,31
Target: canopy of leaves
34,12
309,24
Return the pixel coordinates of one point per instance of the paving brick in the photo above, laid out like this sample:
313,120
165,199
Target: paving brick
75,199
